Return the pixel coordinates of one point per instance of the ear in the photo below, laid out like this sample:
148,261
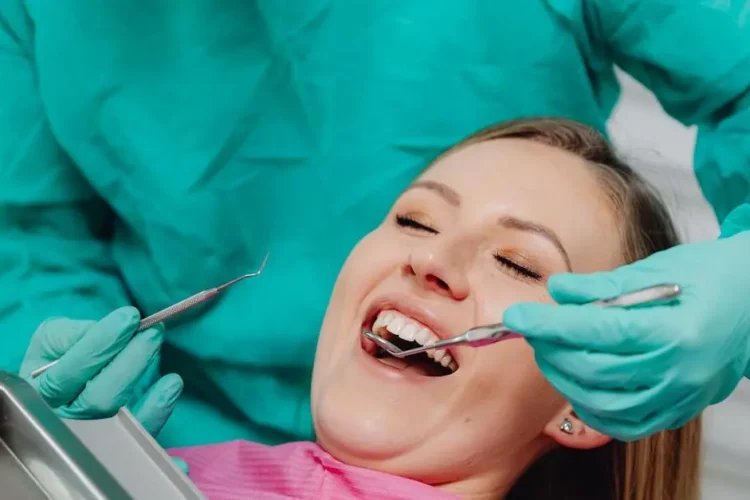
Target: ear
567,430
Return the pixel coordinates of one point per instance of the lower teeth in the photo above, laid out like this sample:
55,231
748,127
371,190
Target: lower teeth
422,361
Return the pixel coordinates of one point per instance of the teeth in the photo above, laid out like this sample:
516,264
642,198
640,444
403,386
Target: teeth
396,325
408,332
380,322
423,336
408,329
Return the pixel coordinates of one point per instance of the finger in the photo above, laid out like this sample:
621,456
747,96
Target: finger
93,350
736,222
148,379
676,415
601,370
113,387
616,429
628,407
569,288
51,340
588,327
673,417
156,406
181,464
55,337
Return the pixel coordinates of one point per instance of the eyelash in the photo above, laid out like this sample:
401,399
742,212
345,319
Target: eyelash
412,223
517,269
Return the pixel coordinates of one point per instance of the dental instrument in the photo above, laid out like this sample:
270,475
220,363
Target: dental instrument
490,334
175,309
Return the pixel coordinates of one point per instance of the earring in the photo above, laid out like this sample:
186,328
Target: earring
566,426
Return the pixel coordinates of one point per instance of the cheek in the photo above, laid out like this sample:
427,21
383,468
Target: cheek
506,373
368,264
522,397
496,291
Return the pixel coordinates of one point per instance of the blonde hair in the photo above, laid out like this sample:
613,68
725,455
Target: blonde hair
664,466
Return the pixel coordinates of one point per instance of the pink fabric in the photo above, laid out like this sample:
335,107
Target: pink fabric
302,471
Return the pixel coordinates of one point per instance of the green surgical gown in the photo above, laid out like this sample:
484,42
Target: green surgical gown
153,148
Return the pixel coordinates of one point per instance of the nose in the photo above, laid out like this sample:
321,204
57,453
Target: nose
440,270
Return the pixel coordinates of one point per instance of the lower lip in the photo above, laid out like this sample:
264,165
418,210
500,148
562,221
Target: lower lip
367,346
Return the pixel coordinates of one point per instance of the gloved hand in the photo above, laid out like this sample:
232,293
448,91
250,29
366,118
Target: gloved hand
632,372
100,365
181,464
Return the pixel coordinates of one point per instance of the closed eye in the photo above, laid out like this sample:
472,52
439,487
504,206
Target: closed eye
410,222
517,269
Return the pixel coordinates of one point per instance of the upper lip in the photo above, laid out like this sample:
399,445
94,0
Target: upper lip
411,309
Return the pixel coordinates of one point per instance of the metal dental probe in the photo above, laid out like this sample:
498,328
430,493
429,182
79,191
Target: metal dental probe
490,334
175,309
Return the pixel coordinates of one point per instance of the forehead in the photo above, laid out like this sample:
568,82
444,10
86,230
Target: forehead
540,183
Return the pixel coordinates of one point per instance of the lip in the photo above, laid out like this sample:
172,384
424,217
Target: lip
421,313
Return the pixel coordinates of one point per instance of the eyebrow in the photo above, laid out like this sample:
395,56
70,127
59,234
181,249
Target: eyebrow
532,227
441,189
509,222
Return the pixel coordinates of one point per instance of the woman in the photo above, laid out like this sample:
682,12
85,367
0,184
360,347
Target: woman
481,229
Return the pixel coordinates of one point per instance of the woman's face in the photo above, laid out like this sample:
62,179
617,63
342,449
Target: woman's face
482,229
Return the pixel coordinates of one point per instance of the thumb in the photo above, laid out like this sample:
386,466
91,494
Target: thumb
156,406
571,288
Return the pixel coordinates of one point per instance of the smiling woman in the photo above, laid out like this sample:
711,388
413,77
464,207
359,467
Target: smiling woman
484,227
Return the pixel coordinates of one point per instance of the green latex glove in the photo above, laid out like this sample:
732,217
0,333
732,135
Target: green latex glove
633,372
181,464
100,365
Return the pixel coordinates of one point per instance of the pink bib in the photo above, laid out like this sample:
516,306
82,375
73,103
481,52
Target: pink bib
241,470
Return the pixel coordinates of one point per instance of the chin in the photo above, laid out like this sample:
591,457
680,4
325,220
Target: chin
367,435
369,445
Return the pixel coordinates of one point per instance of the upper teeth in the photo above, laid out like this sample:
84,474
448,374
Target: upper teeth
408,329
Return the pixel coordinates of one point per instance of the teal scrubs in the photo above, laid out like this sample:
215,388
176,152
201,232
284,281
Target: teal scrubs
153,148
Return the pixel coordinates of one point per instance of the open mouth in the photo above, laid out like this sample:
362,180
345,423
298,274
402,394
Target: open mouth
407,333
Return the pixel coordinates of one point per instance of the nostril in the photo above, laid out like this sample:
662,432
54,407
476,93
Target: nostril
430,279
409,271
438,282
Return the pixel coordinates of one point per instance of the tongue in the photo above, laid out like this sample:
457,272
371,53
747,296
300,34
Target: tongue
415,366
394,362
